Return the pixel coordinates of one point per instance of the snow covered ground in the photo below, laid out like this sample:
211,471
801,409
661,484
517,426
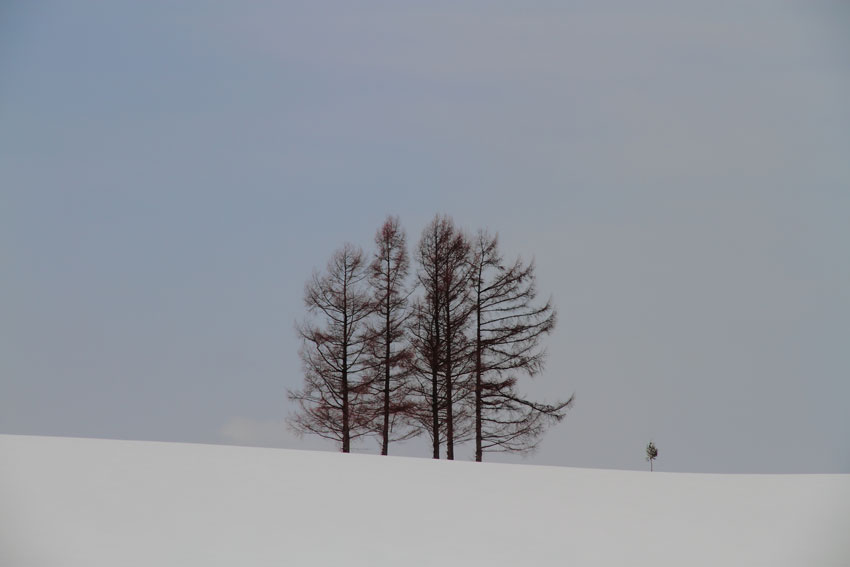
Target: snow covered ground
102,503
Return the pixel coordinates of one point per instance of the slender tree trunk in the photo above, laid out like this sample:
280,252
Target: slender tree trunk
435,421
479,453
386,430
450,430
435,366
346,433
346,428
435,400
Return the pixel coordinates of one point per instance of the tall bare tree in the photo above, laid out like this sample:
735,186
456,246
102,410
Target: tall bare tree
389,348
333,352
509,326
441,318
454,286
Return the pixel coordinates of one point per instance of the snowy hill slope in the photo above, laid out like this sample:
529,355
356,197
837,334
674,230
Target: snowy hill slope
88,502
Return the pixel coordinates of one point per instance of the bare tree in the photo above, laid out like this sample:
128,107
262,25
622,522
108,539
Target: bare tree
333,352
389,348
454,285
440,321
509,326
651,454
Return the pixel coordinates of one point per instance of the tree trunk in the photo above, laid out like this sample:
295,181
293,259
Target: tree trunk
450,431
346,429
435,416
435,376
386,430
479,453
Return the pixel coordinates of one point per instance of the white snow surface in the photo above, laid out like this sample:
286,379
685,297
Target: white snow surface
104,503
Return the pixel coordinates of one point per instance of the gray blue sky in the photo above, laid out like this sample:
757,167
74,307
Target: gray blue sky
170,175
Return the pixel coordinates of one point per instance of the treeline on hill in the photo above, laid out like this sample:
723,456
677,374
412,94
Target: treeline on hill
391,358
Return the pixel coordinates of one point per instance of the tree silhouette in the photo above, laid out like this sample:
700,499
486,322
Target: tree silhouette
651,454
447,361
441,348
332,403
389,349
509,326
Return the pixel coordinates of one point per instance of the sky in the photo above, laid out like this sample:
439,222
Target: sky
171,175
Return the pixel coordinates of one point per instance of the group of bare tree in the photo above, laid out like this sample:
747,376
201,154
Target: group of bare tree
392,358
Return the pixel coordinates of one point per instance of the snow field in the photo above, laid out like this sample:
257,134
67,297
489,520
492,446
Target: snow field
103,503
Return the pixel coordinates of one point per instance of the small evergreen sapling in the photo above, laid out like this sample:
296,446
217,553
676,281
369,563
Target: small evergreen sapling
651,454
